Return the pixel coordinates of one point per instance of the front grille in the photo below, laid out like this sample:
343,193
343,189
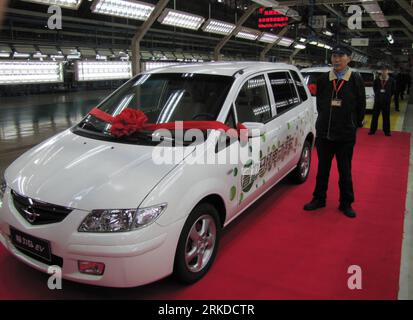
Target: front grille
37,212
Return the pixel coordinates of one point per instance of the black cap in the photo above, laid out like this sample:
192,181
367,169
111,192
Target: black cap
341,49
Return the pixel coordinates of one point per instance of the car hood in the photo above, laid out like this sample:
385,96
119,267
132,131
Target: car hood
83,173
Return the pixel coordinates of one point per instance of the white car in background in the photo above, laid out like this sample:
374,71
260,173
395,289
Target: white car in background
311,75
368,77
101,208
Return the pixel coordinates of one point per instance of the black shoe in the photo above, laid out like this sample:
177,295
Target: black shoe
371,133
314,205
348,211
387,134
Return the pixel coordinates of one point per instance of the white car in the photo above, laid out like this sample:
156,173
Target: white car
108,213
368,77
311,75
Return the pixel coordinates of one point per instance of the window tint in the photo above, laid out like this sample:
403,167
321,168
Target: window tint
284,92
300,86
252,102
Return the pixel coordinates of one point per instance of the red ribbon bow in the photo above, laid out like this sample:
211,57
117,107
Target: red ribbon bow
130,121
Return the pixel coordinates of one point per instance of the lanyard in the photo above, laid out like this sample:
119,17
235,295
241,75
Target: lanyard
383,83
339,87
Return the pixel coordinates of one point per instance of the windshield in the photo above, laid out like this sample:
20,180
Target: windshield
368,78
171,97
311,77
166,97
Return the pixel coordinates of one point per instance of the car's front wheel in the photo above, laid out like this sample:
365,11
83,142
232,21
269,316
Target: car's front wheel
198,243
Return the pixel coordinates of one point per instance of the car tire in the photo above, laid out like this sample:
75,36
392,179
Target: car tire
198,244
300,173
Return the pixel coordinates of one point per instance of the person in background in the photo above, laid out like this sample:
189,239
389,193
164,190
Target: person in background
408,82
384,88
398,90
404,84
341,105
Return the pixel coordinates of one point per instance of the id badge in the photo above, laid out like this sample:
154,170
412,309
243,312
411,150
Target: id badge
383,91
336,103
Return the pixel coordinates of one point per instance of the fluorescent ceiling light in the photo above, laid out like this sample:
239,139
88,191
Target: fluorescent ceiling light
24,72
375,12
328,33
303,40
59,56
300,46
39,55
218,27
285,42
21,55
101,70
268,37
247,33
68,4
130,9
181,19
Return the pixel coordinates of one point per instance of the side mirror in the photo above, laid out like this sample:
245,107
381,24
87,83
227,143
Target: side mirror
255,129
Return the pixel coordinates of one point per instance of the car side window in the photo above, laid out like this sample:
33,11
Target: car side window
284,92
299,85
252,103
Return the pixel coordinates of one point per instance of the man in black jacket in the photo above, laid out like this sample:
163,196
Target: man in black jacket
341,105
384,88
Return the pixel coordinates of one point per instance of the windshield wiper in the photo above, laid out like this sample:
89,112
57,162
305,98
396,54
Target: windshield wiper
90,126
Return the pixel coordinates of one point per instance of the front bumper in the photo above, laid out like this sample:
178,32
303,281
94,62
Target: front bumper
131,259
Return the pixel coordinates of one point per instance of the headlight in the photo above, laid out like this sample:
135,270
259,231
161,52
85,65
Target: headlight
120,220
3,187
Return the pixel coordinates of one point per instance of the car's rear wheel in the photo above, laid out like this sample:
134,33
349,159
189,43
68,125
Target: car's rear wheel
198,243
301,172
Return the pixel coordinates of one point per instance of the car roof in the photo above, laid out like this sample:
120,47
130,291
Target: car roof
365,70
315,69
224,68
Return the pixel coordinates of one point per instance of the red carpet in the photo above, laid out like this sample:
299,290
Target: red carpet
278,251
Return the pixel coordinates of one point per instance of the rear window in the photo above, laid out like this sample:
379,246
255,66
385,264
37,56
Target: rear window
299,85
284,92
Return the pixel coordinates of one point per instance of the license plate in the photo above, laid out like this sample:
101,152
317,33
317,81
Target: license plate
36,246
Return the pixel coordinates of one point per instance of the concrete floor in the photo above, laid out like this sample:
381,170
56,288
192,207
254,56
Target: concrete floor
26,121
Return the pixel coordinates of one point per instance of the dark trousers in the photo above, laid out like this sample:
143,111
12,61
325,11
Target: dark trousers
396,100
384,109
343,151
